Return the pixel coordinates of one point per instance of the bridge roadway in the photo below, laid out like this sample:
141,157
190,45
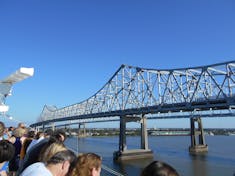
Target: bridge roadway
211,105
137,94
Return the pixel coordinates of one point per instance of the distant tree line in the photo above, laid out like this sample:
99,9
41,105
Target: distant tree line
136,131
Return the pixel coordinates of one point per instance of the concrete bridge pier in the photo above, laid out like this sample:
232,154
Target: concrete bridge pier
37,129
43,127
53,126
81,130
122,135
197,146
144,134
123,153
67,129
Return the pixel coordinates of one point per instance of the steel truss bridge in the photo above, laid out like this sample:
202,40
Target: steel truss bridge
205,91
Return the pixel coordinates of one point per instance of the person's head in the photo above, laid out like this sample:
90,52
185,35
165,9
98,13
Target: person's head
7,150
48,132
10,128
60,135
87,164
21,125
63,160
52,147
158,168
31,134
2,128
39,134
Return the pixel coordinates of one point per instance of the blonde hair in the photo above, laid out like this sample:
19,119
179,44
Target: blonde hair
85,163
49,150
19,132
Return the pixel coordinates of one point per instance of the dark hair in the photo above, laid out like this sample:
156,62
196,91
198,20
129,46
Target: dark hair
7,151
10,128
31,134
59,157
158,168
49,132
59,133
38,134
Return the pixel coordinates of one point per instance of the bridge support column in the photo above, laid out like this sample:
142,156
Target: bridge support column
81,132
37,129
122,135
144,133
197,146
67,130
43,127
53,126
123,153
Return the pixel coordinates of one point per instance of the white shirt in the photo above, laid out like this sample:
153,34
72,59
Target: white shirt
36,169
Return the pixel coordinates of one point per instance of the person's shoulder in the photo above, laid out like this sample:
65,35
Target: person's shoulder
36,165
37,146
36,169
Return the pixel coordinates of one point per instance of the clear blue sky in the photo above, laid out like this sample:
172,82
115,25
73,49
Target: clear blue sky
76,46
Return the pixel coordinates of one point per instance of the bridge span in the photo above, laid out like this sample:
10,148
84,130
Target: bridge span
137,94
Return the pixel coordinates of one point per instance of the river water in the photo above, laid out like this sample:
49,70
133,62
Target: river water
219,161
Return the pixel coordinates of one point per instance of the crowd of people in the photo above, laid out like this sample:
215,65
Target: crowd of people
23,152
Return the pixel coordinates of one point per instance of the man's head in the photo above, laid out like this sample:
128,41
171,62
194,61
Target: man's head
62,160
21,125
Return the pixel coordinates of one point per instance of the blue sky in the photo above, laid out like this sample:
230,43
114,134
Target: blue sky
76,46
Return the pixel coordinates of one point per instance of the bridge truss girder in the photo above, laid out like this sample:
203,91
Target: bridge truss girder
134,90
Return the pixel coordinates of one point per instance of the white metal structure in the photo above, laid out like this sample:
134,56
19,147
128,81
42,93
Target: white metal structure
134,91
7,83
